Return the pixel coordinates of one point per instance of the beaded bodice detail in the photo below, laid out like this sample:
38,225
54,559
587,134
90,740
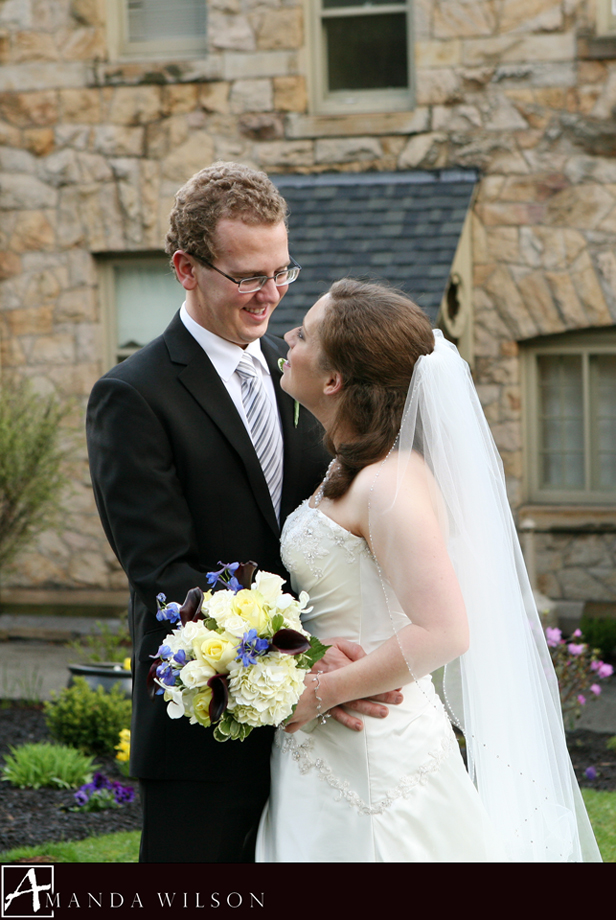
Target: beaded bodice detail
310,534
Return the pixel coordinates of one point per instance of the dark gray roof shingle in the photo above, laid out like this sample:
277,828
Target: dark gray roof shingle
403,227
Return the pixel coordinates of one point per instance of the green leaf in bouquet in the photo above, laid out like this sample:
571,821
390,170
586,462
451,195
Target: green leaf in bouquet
314,653
277,623
211,623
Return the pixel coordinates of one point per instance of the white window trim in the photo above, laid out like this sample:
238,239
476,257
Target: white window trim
601,341
121,49
361,101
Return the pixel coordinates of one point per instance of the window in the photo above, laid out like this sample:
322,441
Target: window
361,55
606,17
571,397
139,296
156,28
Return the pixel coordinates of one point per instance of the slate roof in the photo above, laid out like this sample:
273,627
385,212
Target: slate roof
403,227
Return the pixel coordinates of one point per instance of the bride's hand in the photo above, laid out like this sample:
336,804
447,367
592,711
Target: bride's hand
342,653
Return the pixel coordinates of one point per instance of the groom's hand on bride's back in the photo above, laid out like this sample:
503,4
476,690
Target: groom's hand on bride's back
341,653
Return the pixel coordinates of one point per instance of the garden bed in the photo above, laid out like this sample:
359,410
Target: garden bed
29,817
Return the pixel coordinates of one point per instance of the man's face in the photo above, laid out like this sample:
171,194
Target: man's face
243,251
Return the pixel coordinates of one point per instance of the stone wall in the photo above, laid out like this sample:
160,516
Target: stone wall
92,151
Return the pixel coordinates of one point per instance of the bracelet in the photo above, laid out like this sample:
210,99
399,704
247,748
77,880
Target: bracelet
321,716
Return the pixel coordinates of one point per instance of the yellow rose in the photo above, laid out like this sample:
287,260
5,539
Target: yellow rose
214,650
249,606
201,707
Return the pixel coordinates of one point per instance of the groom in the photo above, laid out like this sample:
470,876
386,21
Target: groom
180,486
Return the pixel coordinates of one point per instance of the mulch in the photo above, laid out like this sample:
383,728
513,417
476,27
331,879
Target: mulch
29,817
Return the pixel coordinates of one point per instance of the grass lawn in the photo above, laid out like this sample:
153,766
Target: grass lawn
124,847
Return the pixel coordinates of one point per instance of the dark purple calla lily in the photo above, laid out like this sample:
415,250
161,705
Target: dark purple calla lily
290,642
245,573
191,608
152,686
220,697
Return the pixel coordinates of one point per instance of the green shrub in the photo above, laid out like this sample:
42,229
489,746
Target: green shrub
34,765
90,720
600,633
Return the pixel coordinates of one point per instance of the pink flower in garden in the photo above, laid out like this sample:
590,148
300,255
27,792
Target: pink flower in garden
604,670
577,634
581,699
554,636
595,688
575,649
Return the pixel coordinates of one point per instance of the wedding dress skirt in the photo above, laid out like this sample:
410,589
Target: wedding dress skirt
398,791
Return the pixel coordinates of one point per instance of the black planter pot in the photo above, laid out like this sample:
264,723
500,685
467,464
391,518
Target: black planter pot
105,674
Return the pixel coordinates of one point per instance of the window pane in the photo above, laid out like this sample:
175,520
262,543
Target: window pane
367,52
150,20
147,296
603,428
338,4
561,422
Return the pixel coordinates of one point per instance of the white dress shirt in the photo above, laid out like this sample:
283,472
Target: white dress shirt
225,356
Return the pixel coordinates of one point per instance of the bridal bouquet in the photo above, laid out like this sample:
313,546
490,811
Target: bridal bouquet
238,655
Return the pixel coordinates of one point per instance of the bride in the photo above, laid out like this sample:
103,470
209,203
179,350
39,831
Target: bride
409,549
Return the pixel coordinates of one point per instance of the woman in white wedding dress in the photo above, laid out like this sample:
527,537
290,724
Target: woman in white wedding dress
408,549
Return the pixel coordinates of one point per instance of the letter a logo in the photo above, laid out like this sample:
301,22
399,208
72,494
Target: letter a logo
27,891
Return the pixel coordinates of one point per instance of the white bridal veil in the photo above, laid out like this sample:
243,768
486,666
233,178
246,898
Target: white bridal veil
503,691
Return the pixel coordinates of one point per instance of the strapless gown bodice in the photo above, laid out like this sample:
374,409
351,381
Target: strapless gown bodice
396,791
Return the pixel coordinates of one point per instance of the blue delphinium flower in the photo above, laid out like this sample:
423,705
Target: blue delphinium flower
250,647
225,576
170,612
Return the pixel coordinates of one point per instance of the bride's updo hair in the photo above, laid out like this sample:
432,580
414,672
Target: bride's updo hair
372,335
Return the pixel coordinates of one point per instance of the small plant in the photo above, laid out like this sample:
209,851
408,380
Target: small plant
611,743
102,793
105,645
32,766
90,720
123,749
31,456
578,668
27,688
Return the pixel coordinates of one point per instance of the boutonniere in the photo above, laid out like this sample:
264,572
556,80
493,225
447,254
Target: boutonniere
295,402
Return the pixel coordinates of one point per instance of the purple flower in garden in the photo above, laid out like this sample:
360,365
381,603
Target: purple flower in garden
590,773
554,636
575,649
595,688
81,797
577,634
604,670
581,699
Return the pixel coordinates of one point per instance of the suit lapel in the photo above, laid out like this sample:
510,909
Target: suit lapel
200,378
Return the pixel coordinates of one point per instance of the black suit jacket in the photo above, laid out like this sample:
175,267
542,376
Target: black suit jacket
179,488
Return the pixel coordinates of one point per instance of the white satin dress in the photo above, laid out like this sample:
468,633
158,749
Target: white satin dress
398,791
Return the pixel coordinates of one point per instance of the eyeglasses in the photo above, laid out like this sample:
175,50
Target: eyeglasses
252,285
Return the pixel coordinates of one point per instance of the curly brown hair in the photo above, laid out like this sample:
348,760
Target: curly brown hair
372,335
223,190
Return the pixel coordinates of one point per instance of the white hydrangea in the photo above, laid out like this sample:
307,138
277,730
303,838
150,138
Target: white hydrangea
265,693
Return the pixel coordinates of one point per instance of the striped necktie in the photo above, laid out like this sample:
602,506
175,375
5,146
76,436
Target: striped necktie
263,426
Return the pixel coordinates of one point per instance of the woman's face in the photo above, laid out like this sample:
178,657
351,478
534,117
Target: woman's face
303,375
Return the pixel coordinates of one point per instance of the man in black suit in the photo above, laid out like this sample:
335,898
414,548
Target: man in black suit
179,486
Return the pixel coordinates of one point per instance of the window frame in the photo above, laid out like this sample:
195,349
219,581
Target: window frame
584,344
350,102
121,48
